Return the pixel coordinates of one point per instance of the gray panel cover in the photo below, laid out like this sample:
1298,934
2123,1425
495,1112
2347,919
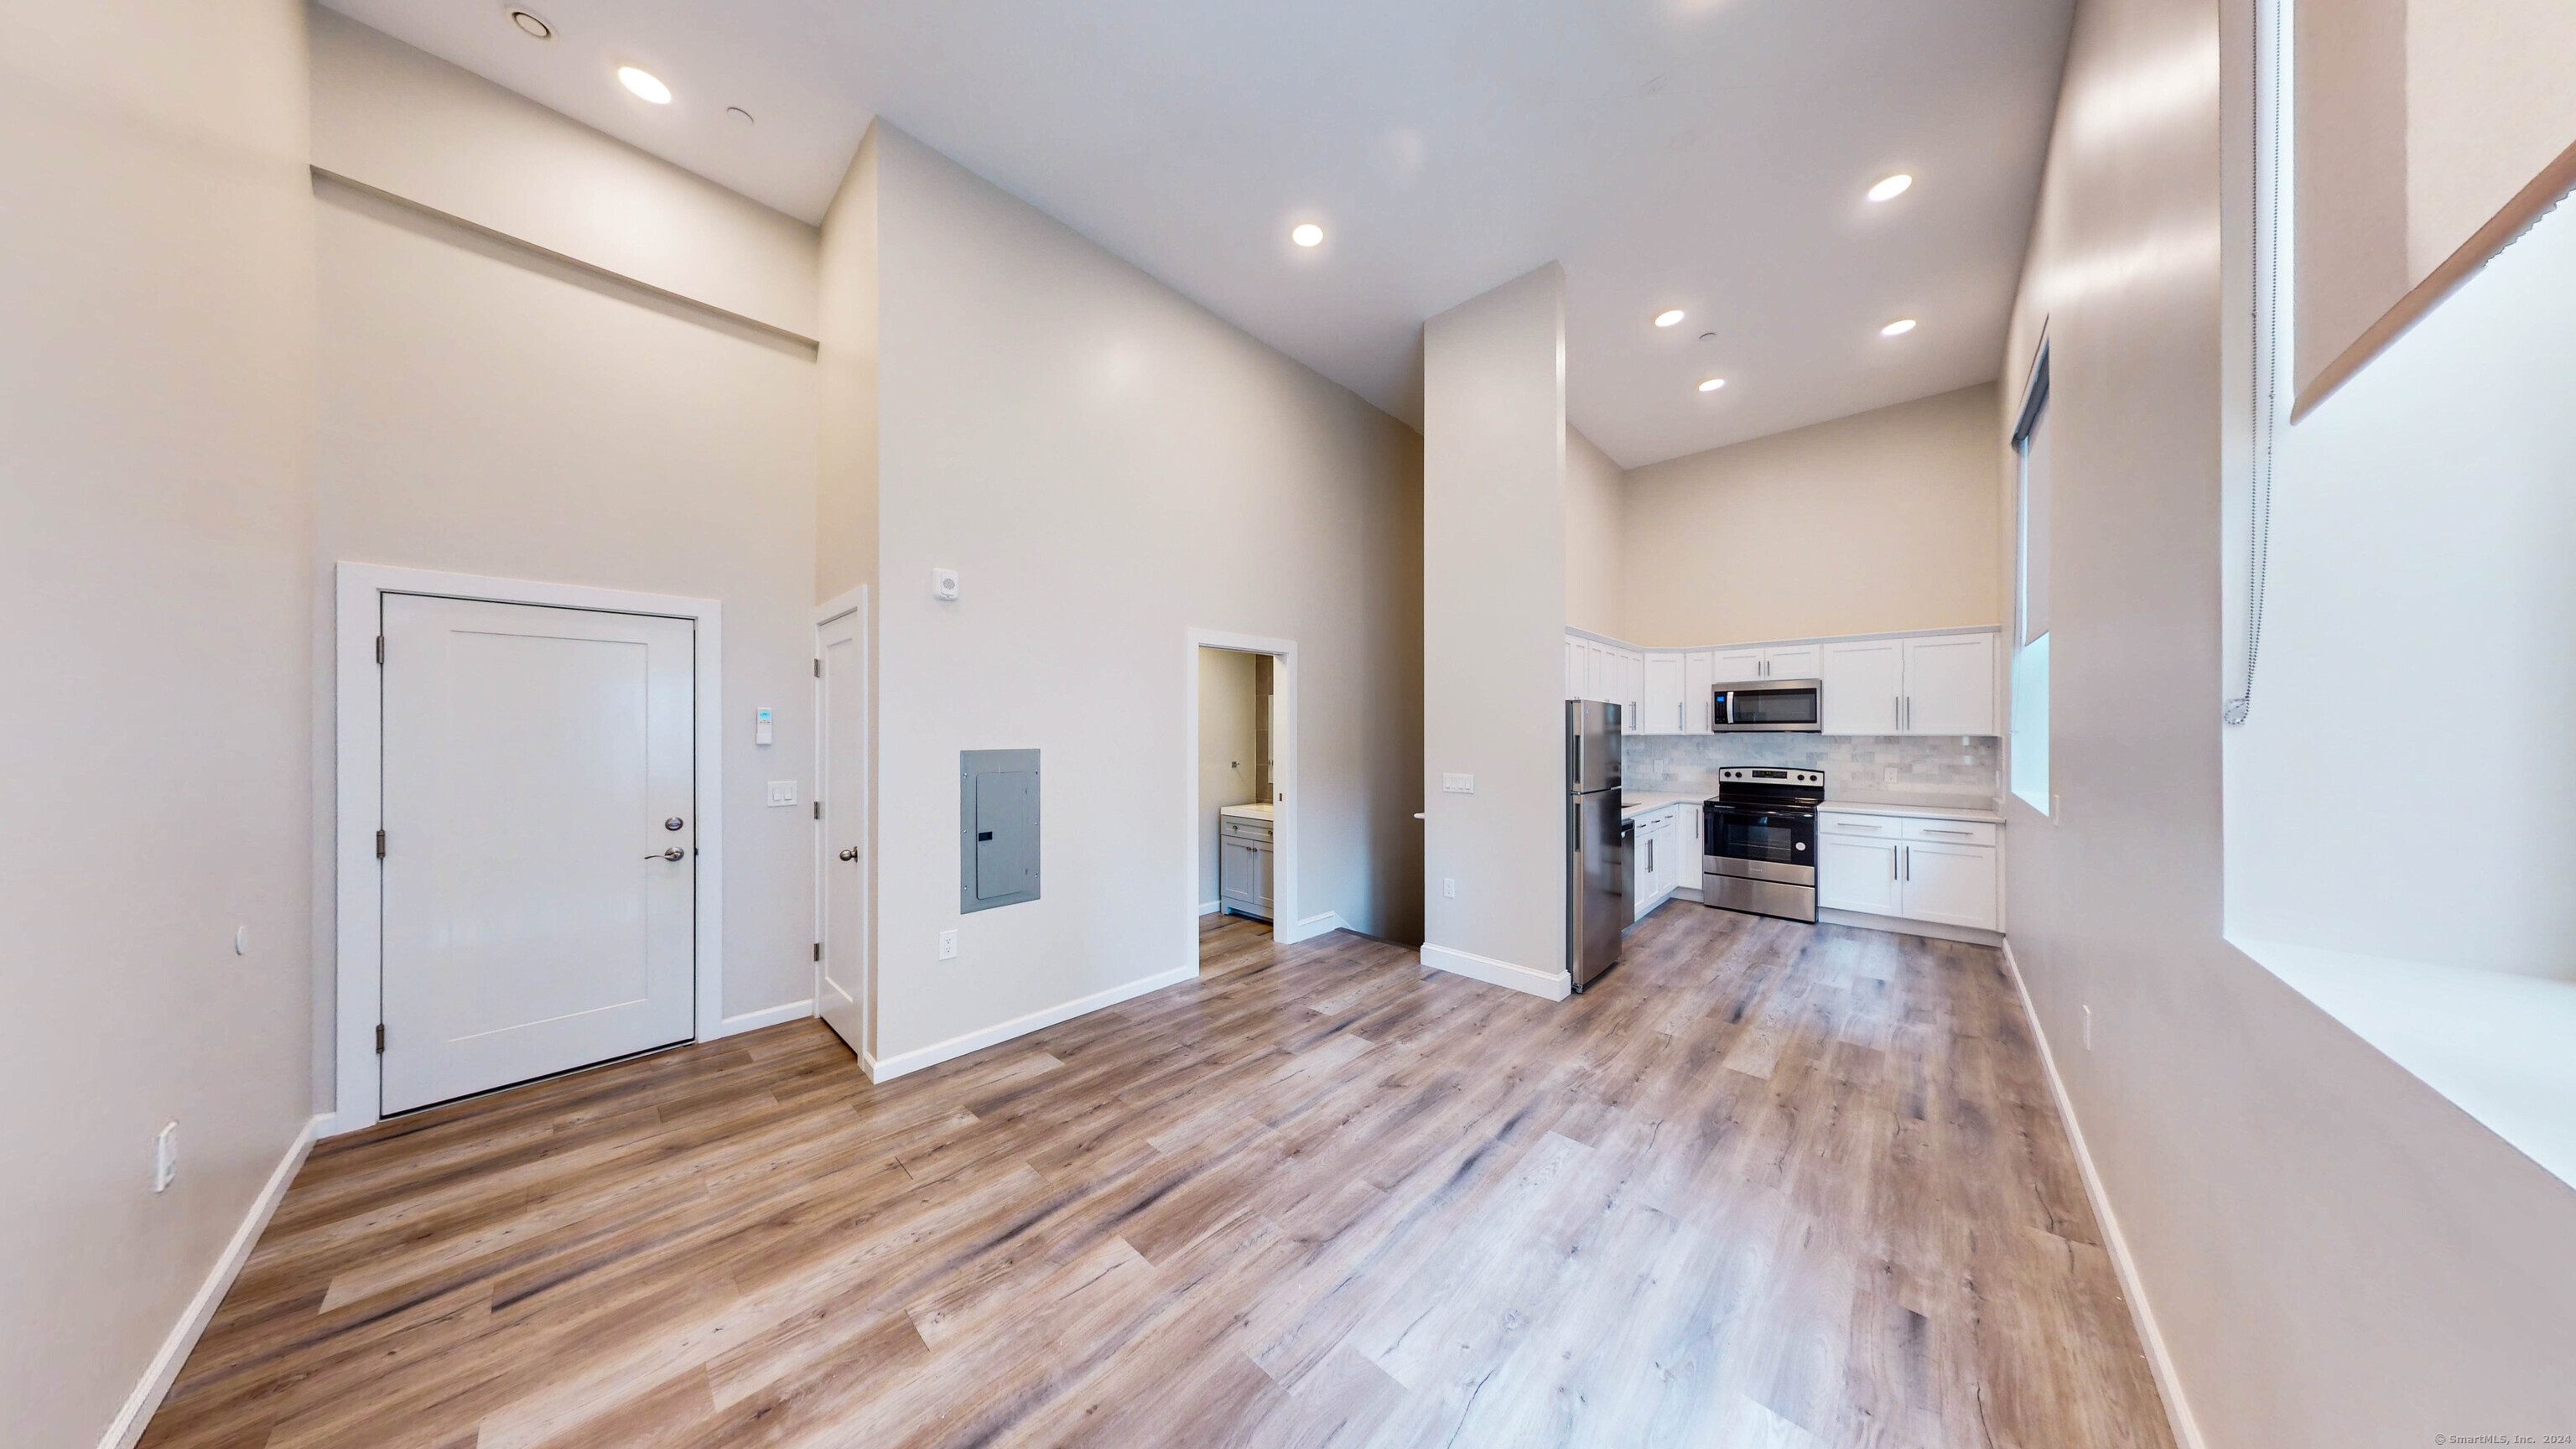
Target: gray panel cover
997,807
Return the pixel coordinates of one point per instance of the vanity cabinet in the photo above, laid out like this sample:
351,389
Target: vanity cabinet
1244,866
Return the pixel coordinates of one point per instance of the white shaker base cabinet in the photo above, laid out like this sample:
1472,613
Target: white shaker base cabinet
540,847
1913,868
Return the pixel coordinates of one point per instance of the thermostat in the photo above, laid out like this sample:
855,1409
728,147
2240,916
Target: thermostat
943,583
763,732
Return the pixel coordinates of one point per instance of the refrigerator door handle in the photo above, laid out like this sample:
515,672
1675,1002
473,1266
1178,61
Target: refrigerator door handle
1574,823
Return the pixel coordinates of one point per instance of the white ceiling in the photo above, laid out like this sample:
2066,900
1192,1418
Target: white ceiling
1706,154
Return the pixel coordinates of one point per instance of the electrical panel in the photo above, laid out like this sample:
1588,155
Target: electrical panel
997,806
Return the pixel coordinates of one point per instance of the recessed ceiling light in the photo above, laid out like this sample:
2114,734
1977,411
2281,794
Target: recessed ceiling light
1713,384
645,84
738,114
1891,188
1306,234
1897,328
1667,319
536,27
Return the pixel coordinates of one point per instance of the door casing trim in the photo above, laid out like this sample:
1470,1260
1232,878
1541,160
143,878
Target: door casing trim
358,799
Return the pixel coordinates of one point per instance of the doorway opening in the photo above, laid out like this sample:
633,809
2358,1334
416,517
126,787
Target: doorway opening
1241,770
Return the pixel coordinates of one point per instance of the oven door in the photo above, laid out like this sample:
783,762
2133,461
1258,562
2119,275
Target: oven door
1760,842
1775,704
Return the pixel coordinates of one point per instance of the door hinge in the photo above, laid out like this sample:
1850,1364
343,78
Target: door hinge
818,669
380,649
380,1038
818,809
380,845
818,950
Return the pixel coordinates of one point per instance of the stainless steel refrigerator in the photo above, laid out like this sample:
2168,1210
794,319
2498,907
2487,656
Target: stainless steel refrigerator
1596,880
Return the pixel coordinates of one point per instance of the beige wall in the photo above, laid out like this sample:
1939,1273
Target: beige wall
1493,681
1108,466
1596,565
845,500
1229,749
156,320
487,410
397,119
2336,1256
1873,523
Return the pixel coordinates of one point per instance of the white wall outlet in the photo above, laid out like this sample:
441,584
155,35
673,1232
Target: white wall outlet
241,940
1449,887
943,583
948,945
764,729
1891,774
165,1157
1458,784
782,792
2088,1027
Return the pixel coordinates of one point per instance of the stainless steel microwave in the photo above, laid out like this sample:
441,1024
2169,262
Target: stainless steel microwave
1769,704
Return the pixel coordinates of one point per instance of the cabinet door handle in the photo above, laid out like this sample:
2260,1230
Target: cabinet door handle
1891,862
1909,862
1928,830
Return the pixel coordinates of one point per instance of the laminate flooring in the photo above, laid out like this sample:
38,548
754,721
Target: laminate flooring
1766,1184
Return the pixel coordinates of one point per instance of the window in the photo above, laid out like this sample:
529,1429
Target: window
2030,597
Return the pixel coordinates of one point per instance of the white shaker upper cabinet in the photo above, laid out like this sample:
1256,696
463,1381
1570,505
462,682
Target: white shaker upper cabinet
1699,681
1793,661
1949,685
1864,687
1632,703
1578,667
1665,708
1734,666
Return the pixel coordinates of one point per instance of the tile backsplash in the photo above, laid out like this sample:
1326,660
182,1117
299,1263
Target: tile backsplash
1930,769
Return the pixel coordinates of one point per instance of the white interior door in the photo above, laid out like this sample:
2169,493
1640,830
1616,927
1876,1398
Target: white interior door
840,788
540,822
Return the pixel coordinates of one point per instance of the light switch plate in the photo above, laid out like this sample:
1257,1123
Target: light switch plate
948,945
1448,887
1457,784
782,792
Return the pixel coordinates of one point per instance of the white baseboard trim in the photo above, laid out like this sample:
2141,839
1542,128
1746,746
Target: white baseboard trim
131,1421
2186,1429
886,1069
1902,926
1313,926
768,1016
1210,908
1554,985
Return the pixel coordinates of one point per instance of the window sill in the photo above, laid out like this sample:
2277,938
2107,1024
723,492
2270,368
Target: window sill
2502,1048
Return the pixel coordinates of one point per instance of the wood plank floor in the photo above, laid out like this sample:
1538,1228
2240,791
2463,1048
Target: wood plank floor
1766,1184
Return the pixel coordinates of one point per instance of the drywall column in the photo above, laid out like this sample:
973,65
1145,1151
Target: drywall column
1493,634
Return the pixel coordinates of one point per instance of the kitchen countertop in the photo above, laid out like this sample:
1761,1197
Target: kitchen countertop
1983,814
1633,803
1256,811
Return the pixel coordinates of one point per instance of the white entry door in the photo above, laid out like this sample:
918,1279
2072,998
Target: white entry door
841,990
540,823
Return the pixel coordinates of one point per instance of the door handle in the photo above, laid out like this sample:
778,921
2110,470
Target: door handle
850,854
674,853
